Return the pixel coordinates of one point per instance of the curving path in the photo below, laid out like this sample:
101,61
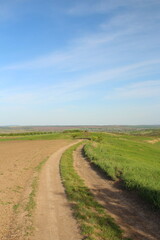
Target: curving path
53,217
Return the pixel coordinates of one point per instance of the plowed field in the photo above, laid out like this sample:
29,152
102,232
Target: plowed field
18,160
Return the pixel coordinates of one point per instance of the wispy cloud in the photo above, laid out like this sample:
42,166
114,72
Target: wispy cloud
103,6
126,36
108,47
140,90
84,53
52,94
89,7
40,62
80,53
118,74
78,88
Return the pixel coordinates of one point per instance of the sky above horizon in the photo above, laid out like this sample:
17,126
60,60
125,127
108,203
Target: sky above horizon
79,62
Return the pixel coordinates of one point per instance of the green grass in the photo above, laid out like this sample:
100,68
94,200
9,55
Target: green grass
5,203
93,220
36,136
16,207
44,135
40,165
23,134
131,159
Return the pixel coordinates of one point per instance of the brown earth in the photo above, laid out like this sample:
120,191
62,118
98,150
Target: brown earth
18,160
135,217
153,140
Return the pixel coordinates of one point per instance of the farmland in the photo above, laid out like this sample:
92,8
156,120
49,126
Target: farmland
130,159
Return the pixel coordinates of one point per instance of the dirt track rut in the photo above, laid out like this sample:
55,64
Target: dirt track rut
135,218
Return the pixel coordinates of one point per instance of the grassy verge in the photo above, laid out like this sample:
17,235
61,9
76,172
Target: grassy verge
94,223
131,159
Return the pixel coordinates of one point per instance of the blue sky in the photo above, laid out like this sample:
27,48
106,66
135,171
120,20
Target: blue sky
79,62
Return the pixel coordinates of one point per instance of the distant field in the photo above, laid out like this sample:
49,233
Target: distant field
34,136
133,159
91,128
66,134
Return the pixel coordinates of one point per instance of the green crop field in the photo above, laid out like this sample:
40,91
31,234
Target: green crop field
132,158
37,136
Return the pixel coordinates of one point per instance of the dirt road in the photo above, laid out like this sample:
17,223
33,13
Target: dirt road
53,217
134,217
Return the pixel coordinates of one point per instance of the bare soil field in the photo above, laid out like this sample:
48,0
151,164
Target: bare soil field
136,218
18,160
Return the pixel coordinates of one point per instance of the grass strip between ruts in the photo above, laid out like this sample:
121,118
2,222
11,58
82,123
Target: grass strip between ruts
92,218
31,202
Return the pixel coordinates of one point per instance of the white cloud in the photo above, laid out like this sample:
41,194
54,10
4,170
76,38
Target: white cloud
89,7
123,38
118,74
53,94
123,47
103,6
40,62
140,90
97,50
81,53
79,88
